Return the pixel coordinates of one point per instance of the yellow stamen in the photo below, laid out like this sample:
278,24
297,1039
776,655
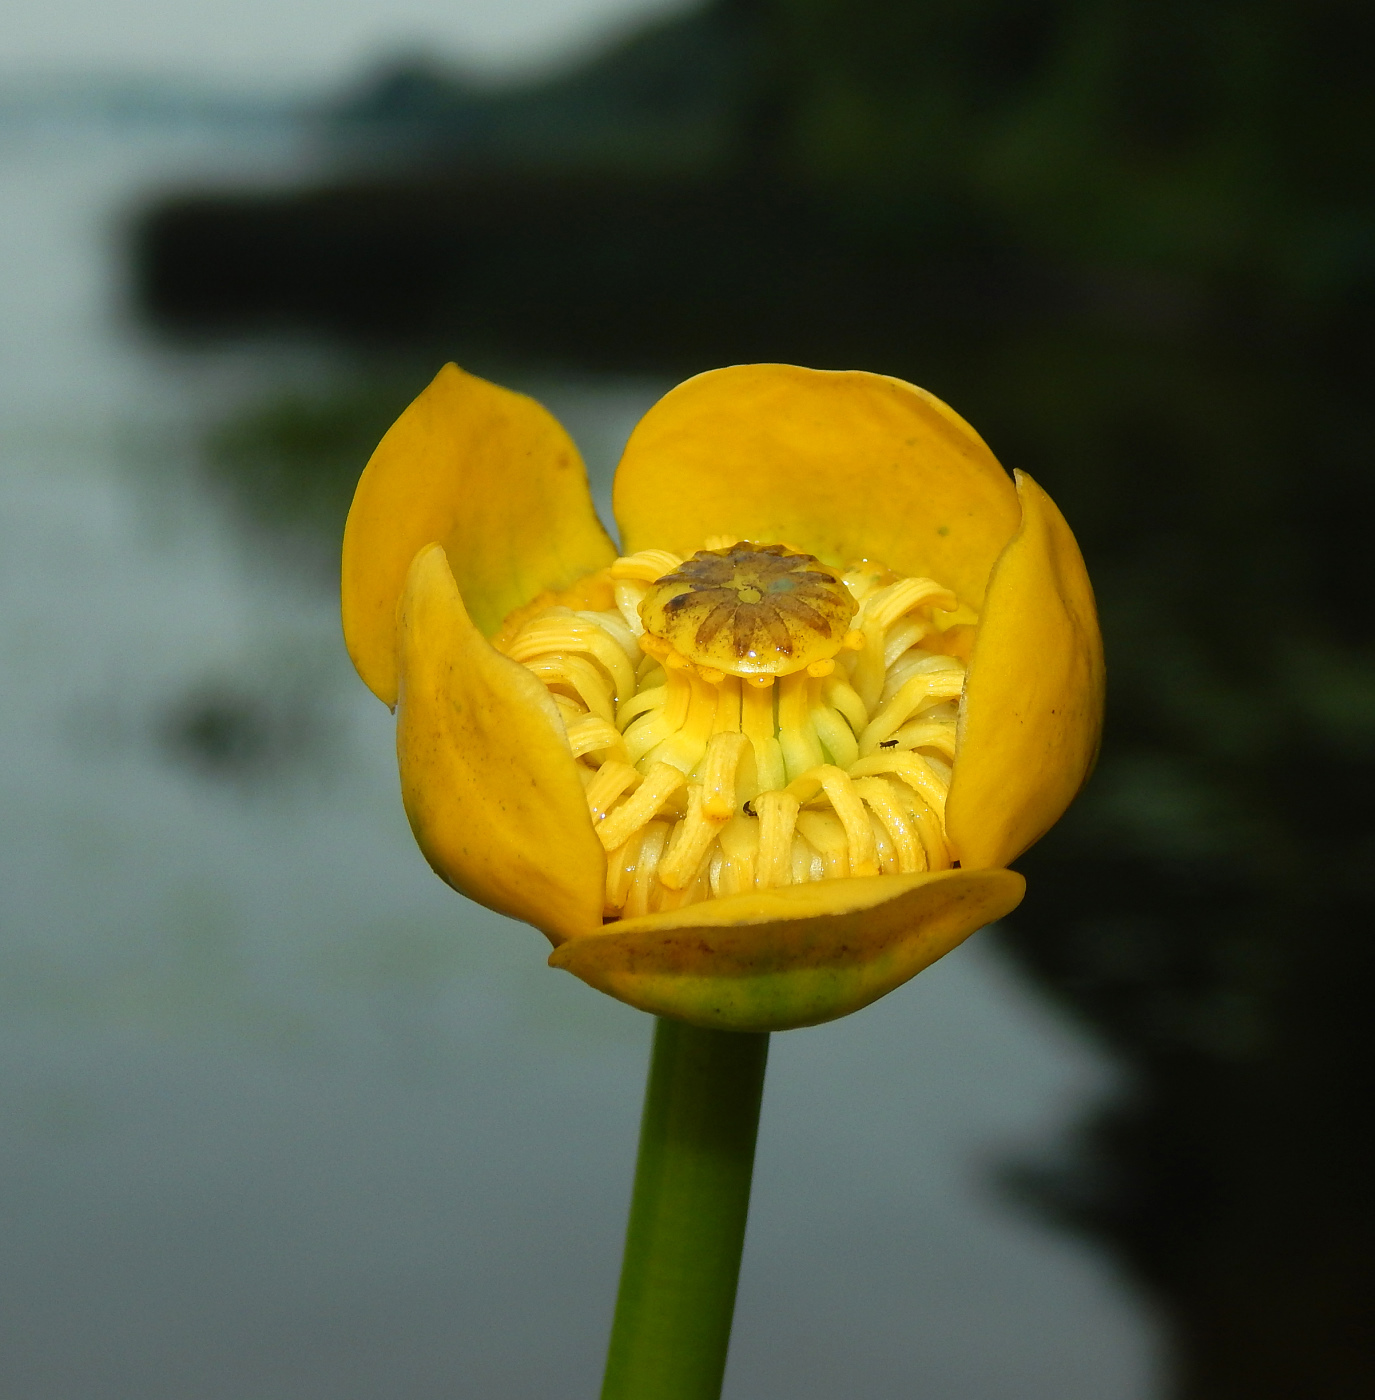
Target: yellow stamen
629,594
621,865
883,844
928,734
727,719
566,632
637,902
915,663
579,675
837,692
692,838
848,808
930,826
927,819
570,711
902,638
886,606
912,768
880,611
592,734
777,818
649,699
615,625
719,768
879,796
827,835
685,748
806,864
836,736
740,855
697,888
611,781
796,737
648,566
922,690
652,729
757,722
660,783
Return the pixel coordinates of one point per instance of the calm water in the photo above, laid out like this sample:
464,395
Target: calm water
281,1116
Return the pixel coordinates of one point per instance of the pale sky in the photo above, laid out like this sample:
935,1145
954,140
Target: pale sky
272,43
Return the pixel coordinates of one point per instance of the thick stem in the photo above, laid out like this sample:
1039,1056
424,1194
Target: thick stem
687,1216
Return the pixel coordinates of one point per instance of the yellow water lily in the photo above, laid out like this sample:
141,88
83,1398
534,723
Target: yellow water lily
771,759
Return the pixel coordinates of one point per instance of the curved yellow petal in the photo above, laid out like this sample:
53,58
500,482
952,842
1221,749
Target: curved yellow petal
491,476
843,464
1033,704
795,956
487,776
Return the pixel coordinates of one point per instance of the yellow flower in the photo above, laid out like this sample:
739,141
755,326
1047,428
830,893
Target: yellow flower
775,759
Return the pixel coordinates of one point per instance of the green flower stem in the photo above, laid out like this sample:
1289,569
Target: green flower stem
687,1216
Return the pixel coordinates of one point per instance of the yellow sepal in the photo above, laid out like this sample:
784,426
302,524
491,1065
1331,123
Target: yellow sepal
843,464
487,777
788,957
1033,699
491,476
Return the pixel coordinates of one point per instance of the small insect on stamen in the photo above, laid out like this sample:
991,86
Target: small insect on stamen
748,810
888,743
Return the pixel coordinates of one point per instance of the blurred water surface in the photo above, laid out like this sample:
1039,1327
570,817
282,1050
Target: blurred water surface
280,1115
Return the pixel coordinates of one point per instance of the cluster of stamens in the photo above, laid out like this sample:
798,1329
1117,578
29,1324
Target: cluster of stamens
749,718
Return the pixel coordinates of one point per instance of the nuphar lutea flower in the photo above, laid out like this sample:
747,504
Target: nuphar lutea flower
772,759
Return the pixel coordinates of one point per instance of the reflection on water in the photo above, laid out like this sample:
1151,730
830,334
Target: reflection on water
279,1114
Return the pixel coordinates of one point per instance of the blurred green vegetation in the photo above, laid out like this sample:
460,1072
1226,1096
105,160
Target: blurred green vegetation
1200,179
1169,209
293,459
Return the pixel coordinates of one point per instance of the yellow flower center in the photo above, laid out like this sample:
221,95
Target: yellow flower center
735,732
751,610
